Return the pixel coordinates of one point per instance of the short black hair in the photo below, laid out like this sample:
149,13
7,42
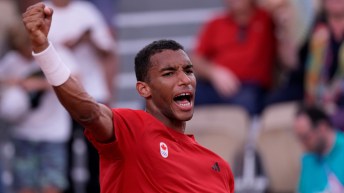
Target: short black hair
142,58
315,113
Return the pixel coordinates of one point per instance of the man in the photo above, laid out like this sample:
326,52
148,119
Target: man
234,57
140,151
322,167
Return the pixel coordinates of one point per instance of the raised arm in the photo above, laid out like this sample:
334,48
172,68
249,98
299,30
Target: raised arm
82,107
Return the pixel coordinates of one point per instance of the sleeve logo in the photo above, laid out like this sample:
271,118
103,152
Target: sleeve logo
163,150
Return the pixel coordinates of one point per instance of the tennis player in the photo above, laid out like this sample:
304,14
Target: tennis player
140,151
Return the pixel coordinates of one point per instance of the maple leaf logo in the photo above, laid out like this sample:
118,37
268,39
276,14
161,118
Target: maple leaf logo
163,150
163,146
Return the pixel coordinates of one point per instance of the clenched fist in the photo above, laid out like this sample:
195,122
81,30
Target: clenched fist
37,20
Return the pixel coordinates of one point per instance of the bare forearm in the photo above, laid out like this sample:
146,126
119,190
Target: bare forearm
85,110
78,103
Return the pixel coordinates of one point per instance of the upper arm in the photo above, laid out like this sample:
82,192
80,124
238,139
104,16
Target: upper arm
102,127
94,116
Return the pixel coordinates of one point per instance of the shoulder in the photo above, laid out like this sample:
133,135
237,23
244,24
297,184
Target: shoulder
217,19
130,114
215,24
127,111
308,160
340,138
263,13
263,16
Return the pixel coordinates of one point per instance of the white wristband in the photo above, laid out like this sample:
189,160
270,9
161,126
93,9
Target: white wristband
55,71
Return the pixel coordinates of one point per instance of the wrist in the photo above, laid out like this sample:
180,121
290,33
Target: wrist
55,71
39,47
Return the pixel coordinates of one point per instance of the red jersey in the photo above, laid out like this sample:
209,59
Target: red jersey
146,156
248,51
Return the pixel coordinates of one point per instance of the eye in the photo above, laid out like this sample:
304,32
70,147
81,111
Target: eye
189,71
167,74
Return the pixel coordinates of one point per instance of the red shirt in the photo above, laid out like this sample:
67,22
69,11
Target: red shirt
248,51
149,157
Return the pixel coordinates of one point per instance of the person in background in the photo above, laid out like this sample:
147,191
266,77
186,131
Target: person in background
87,35
234,57
39,126
293,22
324,74
8,19
322,168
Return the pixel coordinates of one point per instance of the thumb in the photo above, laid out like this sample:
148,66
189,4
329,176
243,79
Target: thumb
48,12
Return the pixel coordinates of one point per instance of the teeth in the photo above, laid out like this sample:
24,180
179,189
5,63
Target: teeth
184,94
185,104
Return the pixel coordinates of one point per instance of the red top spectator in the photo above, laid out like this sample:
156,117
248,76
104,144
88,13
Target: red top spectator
246,50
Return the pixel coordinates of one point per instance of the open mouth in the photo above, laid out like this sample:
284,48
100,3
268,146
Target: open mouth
183,99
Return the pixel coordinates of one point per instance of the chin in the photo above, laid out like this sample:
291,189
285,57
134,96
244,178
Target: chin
185,116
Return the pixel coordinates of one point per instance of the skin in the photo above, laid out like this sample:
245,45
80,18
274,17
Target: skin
240,10
334,8
170,75
316,139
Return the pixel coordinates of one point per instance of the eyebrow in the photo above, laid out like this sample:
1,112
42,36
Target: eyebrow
189,65
171,68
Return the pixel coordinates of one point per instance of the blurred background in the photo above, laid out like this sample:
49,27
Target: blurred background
256,61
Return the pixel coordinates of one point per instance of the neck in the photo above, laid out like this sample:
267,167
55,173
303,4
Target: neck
330,140
174,124
242,17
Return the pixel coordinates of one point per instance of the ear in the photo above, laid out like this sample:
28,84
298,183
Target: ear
143,89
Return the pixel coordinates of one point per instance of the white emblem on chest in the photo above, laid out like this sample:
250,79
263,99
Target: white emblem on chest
163,150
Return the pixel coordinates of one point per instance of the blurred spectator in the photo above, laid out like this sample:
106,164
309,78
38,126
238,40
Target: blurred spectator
23,5
235,57
108,9
322,168
294,20
29,104
8,17
324,78
80,26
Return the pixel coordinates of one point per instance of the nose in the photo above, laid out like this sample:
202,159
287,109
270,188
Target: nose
184,79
